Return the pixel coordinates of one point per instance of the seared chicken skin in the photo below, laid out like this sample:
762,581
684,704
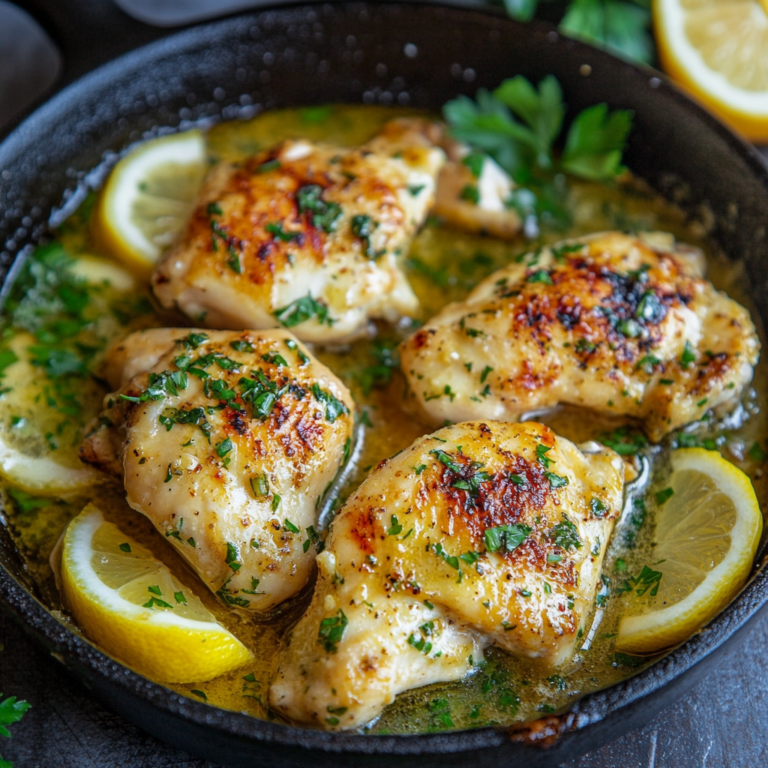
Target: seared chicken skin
484,533
226,444
306,235
616,323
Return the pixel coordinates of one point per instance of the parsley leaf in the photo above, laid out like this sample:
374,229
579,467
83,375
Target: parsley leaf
331,631
506,537
11,711
595,143
619,27
301,310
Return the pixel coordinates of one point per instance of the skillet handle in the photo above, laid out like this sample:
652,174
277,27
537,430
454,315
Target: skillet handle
88,33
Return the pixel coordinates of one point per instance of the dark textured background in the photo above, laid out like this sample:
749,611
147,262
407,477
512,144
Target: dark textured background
722,722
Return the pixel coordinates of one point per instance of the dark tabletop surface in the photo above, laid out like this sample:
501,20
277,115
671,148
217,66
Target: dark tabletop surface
721,722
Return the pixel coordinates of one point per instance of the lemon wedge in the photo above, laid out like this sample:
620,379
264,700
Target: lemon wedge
148,198
132,606
718,51
707,532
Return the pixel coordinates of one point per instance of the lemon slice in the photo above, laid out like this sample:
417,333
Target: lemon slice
148,198
706,538
43,475
46,473
132,606
718,50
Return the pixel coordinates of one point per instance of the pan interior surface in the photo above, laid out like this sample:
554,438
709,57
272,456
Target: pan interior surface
410,56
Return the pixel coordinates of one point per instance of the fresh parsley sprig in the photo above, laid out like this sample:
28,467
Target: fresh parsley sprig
517,124
620,27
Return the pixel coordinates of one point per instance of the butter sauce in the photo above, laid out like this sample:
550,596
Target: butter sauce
443,265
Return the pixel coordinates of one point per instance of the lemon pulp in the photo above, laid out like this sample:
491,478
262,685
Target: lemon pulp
148,198
718,50
129,603
706,537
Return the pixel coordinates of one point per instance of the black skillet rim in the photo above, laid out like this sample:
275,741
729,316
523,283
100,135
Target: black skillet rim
82,656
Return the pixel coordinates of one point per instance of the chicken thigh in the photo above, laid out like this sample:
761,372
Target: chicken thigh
227,444
484,533
306,235
617,323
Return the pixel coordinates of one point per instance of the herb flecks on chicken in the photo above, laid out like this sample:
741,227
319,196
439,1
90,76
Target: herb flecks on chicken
481,534
621,324
226,442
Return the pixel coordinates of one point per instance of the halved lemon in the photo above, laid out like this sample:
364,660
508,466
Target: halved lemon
148,198
707,532
129,603
718,50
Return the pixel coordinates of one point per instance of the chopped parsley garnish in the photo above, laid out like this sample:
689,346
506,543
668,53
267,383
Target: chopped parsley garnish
559,253
276,230
233,557
598,507
276,501
484,374
540,276
125,547
333,407
541,455
663,496
624,441
224,447
650,308
195,416
301,310
312,538
325,215
269,165
275,358
506,537
646,580
688,355
11,711
629,328
362,227
447,460
25,502
161,385
241,346
395,528
647,363
470,194
385,360
331,631
756,453
556,481
565,535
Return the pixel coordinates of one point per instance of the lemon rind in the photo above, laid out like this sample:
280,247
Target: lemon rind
670,25
668,626
122,189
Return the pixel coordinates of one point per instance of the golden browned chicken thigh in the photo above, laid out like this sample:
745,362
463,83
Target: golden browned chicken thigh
484,533
226,442
621,324
306,235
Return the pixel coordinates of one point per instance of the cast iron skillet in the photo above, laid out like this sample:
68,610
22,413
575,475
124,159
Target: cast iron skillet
387,54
